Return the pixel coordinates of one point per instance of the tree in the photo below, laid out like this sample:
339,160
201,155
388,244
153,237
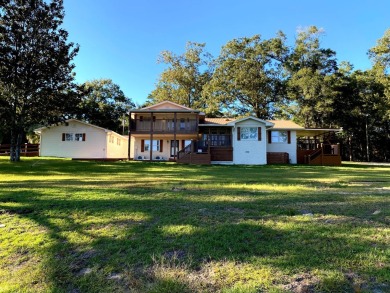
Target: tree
249,76
380,57
36,80
104,104
184,79
310,68
380,54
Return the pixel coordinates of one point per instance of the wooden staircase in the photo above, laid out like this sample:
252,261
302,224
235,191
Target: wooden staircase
191,154
321,157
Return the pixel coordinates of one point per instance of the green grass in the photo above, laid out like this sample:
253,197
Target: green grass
69,226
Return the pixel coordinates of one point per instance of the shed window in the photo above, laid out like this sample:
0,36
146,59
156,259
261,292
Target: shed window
78,137
68,136
73,137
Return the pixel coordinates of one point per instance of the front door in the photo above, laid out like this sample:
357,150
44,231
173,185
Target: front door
174,146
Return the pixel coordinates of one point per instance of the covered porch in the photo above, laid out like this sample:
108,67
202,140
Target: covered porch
214,145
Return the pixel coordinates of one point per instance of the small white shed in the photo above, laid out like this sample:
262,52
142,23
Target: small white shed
80,140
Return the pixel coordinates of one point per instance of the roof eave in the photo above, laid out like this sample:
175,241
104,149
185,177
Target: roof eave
218,125
166,111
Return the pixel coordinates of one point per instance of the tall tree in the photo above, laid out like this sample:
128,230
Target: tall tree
104,104
380,57
310,68
183,80
357,96
380,54
36,79
249,76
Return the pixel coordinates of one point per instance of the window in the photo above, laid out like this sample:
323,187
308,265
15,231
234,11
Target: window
78,137
68,136
155,146
248,133
111,139
182,124
279,136
73,137
118,141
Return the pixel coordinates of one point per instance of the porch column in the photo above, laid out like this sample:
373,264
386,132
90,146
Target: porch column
208,141
151,137
129,134
174,134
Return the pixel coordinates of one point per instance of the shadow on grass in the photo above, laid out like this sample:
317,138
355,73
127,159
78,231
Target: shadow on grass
118,251
222,231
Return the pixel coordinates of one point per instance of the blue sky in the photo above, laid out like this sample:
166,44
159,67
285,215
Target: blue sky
122,39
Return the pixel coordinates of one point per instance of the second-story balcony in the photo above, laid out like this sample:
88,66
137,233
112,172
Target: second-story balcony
183,125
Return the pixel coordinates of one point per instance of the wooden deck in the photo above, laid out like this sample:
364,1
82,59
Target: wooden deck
320,156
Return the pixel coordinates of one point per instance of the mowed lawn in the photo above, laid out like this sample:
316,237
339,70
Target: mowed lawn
69,226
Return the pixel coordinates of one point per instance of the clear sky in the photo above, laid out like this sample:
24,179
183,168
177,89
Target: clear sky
122,39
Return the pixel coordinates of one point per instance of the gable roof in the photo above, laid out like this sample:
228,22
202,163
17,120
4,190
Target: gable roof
38,130
274,124
267,123
169,106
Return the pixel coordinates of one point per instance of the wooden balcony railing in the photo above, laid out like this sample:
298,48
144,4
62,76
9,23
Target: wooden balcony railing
164,125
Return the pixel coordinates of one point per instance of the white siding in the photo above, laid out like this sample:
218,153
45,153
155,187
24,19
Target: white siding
291,148
94,145
166,153
136,145
251,152
115,150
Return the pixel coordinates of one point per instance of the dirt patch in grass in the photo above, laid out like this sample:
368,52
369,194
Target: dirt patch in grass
305,283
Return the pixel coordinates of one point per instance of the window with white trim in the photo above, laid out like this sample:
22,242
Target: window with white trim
248,133
279,136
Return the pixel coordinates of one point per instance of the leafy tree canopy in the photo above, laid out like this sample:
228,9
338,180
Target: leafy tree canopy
249,76
184,79
310,68
36,70
104,104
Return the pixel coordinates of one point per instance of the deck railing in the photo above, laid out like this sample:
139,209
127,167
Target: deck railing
164,125
198,152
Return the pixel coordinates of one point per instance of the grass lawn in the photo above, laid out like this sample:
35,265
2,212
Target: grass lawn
68,226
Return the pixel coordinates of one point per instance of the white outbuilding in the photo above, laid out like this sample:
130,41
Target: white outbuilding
80,140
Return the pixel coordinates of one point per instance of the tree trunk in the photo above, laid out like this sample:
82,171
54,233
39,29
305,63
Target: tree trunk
16,142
